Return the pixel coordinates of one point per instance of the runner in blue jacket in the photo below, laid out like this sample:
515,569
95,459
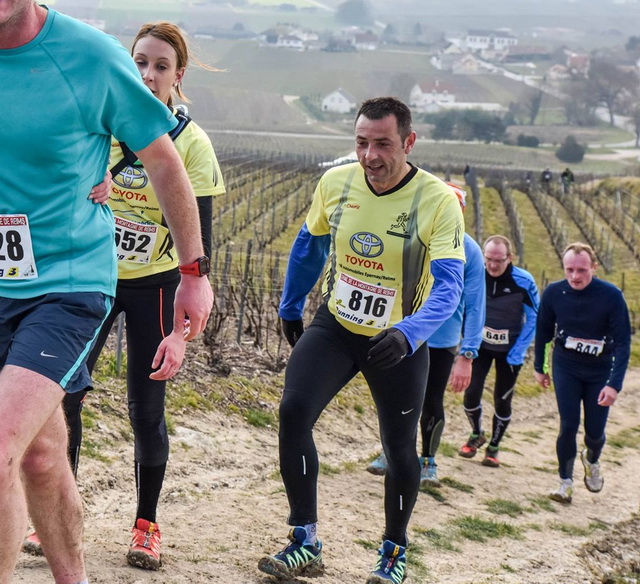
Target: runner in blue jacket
512,306
450,359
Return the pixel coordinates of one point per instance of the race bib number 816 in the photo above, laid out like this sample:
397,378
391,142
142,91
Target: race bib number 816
363,303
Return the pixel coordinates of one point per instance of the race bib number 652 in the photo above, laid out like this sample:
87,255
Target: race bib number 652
16,251
135,241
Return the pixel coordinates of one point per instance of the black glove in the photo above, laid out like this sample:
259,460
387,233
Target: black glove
389,348
292,330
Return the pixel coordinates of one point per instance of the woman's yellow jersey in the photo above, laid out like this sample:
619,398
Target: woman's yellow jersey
143,243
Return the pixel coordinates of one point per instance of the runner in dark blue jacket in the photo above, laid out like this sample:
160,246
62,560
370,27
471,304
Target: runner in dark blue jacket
588,321
512,305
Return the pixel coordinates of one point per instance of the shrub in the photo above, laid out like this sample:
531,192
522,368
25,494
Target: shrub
528,141
570,150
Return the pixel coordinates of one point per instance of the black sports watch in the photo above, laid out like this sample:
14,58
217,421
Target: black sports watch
201,267
469,355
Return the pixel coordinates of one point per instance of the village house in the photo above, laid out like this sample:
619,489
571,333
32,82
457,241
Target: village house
339,101
578,64
459,64
429,96
290,41
365,41
480,40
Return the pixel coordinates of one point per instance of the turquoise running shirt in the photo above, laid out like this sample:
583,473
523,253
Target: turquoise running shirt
64,94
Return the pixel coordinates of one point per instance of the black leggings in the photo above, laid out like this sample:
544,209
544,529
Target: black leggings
149,318
433,417
325,358
504,388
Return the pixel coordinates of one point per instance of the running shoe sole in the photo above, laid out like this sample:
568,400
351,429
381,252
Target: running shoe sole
278,569
559,498
143,560
375,579
32,548
431,483
490,462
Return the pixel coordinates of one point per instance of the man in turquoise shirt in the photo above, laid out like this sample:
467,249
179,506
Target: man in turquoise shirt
66,88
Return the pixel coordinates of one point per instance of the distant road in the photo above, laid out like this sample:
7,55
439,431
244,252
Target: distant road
321,5
281,134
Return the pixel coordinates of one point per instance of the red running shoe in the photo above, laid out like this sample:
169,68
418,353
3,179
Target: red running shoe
469,449
31,545
145,545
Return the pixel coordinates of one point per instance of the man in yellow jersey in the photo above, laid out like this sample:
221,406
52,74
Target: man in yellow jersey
393,234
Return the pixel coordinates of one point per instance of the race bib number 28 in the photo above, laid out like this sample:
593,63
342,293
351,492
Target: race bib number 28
16,251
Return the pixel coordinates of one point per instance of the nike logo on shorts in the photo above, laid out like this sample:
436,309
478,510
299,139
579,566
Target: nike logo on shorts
43,354
407,412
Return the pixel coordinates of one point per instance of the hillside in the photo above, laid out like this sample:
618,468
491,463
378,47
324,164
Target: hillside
223,504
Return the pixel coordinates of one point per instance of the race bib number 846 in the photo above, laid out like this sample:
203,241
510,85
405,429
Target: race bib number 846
495,336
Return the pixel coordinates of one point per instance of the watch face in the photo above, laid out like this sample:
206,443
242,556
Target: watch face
468,354
204,265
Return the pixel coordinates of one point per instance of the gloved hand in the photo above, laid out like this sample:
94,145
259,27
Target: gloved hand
292,330
389,348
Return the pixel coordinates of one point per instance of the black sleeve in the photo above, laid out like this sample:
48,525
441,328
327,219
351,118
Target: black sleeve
205,210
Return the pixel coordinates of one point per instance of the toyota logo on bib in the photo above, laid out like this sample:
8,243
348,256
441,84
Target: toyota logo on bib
366,244
131,177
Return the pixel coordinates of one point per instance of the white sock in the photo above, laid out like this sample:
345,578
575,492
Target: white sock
312,537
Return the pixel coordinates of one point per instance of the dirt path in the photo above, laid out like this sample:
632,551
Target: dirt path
223,505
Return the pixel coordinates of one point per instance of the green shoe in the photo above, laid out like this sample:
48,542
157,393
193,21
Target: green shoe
296,559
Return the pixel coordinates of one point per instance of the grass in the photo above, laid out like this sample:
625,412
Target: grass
447,449
535,434
433,492
504,507
92,449
327,469
544,503
260,418
367,544
438,540
475,528
107,366
627,438
455,484
418,569
184,397
572,530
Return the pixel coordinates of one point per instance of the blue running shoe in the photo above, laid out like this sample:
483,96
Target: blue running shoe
429,475
379,465
296,559
391,566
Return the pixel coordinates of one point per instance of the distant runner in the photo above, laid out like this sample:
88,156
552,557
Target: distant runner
588,321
